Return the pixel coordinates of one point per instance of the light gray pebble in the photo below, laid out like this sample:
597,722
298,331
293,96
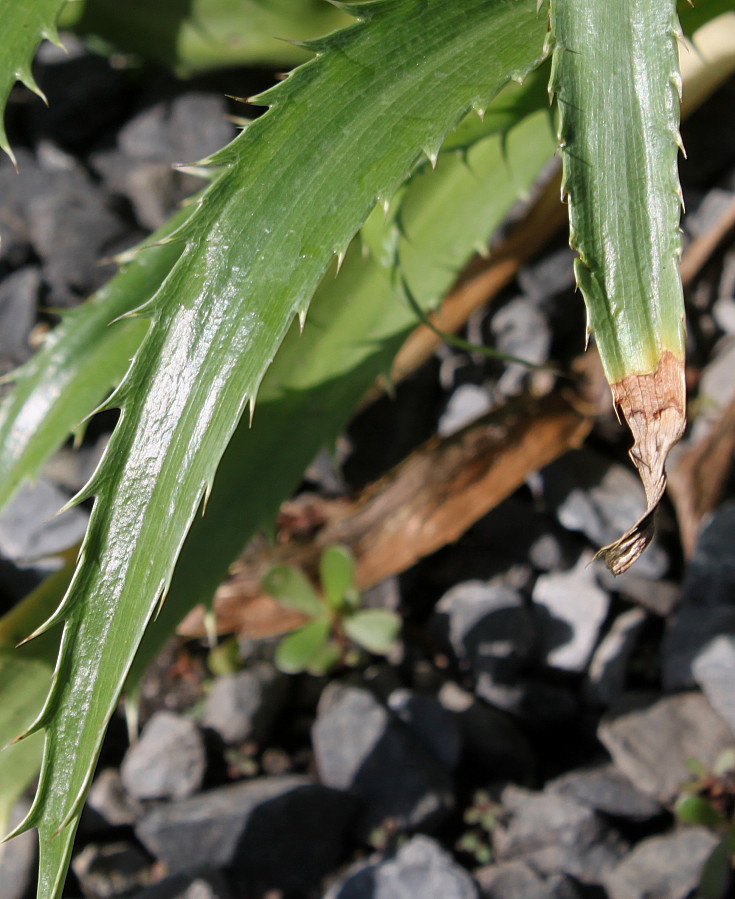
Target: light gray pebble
420,868
652,742
667,867
168,761
517,880
570,609
556,835
606,790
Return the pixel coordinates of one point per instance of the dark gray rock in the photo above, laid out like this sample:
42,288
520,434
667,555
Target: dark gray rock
116,869
517,880
200,884
72,229
243,706
18,298
708,600
184,130
714,671
608,669
87,95
109,799
271,833
600,499
555,835
651,742
667,867
359,746
492,742
605,789
420,868
435,727
18,858
468,402
570,610
539,704
30,527
489,628
167,762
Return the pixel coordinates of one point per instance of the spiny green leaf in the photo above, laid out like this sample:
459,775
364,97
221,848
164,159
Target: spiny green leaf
294,189
24,26
615,74
355,326
80,361
373,629
293,590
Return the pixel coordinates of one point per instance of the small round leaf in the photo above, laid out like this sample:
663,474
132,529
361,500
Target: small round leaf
373,629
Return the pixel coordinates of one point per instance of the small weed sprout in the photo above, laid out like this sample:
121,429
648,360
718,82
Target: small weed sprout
336,624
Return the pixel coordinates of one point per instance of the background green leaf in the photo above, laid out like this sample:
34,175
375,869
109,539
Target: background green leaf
295,652
293,590
373,629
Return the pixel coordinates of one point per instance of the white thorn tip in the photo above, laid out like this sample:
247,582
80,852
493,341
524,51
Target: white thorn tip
302,320
251,411
340,259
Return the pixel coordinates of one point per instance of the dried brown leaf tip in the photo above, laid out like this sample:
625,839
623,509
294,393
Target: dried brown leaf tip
654,406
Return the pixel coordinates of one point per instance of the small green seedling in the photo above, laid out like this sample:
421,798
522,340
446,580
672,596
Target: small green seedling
709,801
335,617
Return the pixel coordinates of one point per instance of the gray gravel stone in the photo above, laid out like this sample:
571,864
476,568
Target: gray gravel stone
30,527
651,743
167,762
550,275
520,329
489,628
608,669
555,835
666,867
517,880
72,228
708,600
18,858
18,298
270,833
428,720
115,869
184,130
605,789
109,799
420,868
492,742
570,610
243,706
714,671
361,747
199,884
